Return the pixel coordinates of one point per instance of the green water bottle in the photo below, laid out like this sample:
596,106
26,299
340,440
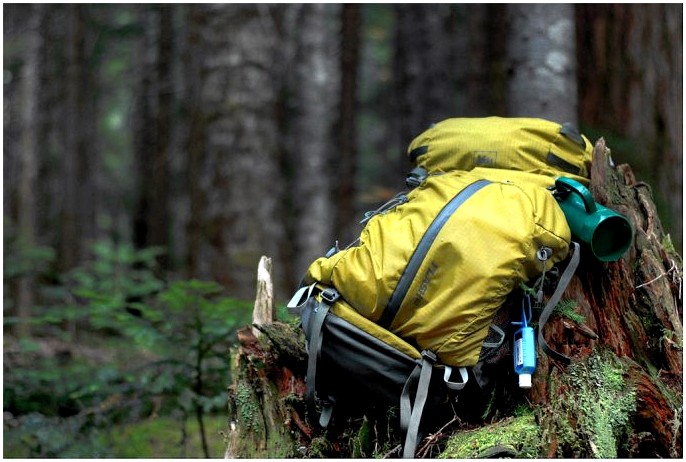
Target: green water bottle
607,233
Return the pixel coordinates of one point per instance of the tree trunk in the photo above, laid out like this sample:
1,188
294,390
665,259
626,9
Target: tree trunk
423,63
631,71
346,161
620,397
315,97
481,47
195,143
29,158
80,155
153,135
238,186
145,139
635,308
542,65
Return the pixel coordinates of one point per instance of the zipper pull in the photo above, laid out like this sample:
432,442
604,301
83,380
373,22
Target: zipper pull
543,254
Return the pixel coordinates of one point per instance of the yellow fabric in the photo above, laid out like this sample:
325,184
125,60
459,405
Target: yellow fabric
508,144
483,252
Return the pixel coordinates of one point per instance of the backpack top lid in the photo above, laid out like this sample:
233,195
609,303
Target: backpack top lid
530,149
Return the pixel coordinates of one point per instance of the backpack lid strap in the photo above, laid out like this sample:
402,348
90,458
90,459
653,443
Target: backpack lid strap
552,303
410,416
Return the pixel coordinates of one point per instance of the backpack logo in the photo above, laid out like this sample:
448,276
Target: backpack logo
485,158
430,272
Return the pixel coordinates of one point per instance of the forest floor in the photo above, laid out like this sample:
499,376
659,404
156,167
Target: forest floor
83,399
154,438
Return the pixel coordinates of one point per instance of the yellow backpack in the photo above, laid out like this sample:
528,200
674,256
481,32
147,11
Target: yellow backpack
404,313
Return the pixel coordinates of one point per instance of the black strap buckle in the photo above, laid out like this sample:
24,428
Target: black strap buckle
416,177
429,356
330,295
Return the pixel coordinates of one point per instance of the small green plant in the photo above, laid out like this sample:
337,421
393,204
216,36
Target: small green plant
176,336
566,309
117,283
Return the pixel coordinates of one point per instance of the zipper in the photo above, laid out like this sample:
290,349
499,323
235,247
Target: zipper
422,249
395,201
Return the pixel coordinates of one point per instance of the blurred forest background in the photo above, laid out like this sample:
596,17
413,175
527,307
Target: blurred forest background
153,153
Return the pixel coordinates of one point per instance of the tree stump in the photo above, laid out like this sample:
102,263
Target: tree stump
621,324
622,396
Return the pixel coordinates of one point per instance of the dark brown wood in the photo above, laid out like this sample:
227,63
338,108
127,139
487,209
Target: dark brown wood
346,167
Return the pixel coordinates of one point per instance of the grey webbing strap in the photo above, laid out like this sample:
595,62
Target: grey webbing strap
457,386
301,296
327,412
405,403
411,416
329,296
552,303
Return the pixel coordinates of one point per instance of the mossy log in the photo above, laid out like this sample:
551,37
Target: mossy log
620,397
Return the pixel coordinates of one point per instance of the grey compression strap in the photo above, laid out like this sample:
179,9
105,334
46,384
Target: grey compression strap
411,416
552,303
329,296
327,413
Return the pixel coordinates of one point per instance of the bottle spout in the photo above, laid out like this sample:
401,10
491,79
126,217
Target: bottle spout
524,380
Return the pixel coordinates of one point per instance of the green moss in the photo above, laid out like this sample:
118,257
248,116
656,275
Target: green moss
260,436
591,407
667,244
248,411
519,434
319,448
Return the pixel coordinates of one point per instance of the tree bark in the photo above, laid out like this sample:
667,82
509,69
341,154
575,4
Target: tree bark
265,419
631,71
424,60
620,397
542,65
315,90
239,186
29,159
346,162
80,155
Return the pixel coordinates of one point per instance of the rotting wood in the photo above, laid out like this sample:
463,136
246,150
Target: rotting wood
263,311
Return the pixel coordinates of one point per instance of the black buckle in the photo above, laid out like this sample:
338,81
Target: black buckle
429,356
330,295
